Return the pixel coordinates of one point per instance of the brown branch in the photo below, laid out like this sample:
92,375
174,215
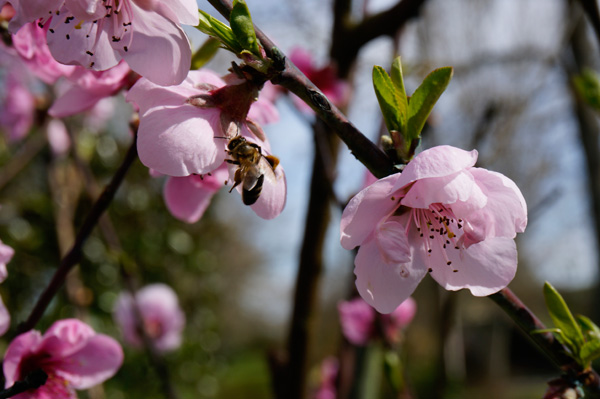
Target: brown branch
350,39
295,81
73,257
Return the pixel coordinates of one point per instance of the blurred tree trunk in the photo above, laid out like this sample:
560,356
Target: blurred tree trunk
584,56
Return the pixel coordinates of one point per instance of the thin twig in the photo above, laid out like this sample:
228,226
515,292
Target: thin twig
73,257
111,237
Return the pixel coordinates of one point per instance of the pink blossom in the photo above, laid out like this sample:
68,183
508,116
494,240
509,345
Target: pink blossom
398,320
159,309
70,353
30,44
359,321
185,129
58,137
6,254
85,88
188,197
18,105
441,216
325,78
98,34
329,371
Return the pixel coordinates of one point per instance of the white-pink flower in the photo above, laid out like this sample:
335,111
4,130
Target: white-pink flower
440,216
97,34
161,315
70,353
184,129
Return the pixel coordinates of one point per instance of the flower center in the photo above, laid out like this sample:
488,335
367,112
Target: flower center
440,229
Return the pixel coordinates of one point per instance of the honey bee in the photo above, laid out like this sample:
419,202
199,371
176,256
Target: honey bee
252,168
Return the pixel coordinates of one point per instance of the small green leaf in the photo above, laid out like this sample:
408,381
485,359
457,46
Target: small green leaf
587,86
562,317
400,92
205,53
243,28
424,98
589,352
388,101
213,27
590,329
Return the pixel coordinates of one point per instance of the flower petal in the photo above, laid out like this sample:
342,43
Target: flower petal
181,141
437,161
79,46
159,51
95,362
505,213
383,285
20,347
392,240
459,186
366,209
188,197
484,268
273,195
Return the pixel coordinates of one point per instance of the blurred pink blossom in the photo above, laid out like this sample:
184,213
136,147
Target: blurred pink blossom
159,309
184,129
358,320
440,216
58,137
18,105
70,353
30,44
187,197
84,89
329,372
325,78
6,254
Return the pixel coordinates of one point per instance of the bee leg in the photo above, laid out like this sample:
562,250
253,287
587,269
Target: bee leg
237,179
231,161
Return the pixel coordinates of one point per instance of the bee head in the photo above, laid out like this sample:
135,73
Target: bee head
236,141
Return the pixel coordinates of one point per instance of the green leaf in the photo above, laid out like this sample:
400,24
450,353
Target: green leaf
205,53
589,352
388,101
213,27
590,329
563,318
424,98
243,28
400,93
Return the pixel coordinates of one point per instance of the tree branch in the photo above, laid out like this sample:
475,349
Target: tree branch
292,79
73,257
